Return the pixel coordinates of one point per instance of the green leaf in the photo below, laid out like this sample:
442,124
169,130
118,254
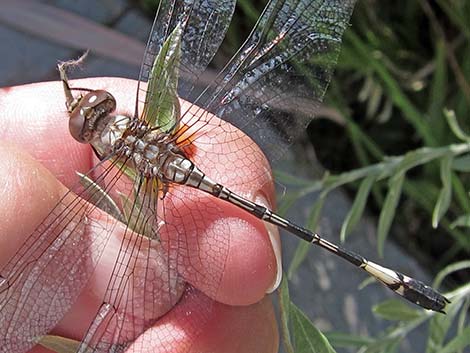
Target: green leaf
461,221
357,208
302,249
439,327
459,342
346,340
420,156
300,254
284,312
388,210
457,266
461,164
288,179
396,310
60,344
135,213
445,195
162,108
307,338
454,125
99,197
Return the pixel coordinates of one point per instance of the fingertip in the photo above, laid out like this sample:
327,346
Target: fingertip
198,324
28,192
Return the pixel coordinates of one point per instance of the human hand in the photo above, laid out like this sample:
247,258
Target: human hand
34,118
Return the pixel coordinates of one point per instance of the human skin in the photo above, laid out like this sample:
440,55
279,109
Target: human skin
38,161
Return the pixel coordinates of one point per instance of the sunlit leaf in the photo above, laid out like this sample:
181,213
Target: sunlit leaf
162,108
60,344
454,125
346,340
357,208
420,156
461,164
396,310
388,210
445,195
307,338
284,311
135,211
457,266
99,197
461,221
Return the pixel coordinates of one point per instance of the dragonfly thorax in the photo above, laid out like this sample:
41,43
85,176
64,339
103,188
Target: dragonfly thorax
146,149
149,151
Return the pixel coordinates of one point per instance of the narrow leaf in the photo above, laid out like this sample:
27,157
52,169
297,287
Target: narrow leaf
439,327
60,344
300,254
461,164
346,340
459,342
162,108
454,267
357,208
445,195
396,310
99,197
462,221
133,211
418,157
307,338
388,211
454,125
284,311
302,249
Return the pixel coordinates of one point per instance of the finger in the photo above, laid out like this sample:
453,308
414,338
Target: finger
248,266
34,117
236,275
228,329
59,262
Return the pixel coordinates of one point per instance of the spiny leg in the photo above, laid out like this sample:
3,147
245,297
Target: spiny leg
63,66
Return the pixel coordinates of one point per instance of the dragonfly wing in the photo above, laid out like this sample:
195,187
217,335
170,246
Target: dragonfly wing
272,87
203,23
144,282
49,270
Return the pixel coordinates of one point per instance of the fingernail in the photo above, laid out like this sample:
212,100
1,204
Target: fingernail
273,233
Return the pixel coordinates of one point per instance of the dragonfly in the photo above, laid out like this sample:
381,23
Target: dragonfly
148,168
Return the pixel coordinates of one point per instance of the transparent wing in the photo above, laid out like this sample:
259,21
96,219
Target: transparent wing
144,283
45,276
204,24
272,87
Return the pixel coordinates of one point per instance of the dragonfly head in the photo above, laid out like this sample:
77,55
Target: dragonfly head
90,110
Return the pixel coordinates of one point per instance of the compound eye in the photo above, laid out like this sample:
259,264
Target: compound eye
99,99
77,122
90,109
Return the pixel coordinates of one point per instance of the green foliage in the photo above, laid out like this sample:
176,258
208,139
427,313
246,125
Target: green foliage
403,93
299,333
162,108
